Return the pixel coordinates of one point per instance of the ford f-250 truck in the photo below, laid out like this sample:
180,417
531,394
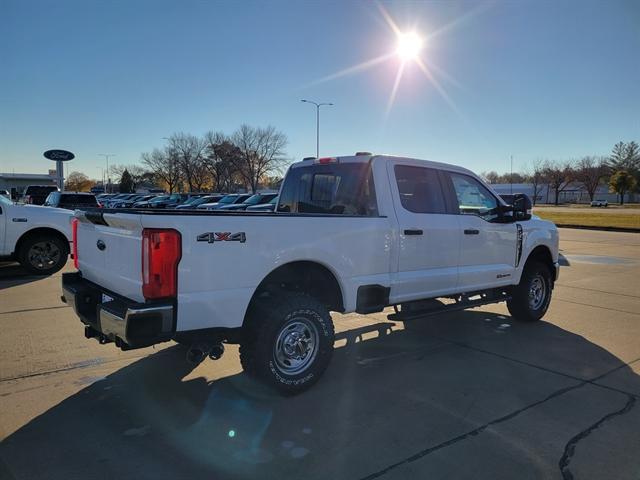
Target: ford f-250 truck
37,237
350,234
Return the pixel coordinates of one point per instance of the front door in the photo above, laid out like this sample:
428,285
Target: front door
488,249
429,240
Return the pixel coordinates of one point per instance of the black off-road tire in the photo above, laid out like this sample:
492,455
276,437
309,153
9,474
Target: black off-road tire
47,243
525,303
278,337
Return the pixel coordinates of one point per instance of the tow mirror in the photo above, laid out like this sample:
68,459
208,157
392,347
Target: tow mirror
519,204
521,207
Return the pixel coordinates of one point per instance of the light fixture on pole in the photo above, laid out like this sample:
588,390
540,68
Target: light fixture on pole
318,105
106,156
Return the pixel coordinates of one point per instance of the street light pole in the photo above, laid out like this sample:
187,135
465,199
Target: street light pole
318,105
511,175
106,156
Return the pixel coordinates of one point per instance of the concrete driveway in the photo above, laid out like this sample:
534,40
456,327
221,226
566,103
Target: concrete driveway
466,395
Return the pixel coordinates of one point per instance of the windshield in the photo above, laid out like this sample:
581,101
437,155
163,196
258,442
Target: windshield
202,200
253,199
5,201
228,199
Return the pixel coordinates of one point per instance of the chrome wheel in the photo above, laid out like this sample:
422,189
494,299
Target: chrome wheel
43,255
296,346
537,292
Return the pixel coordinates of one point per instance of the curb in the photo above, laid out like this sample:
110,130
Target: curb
604,229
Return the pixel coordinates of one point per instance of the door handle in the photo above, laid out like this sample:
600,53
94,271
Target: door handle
413,232
471,231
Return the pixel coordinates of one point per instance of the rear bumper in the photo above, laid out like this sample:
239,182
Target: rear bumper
117,319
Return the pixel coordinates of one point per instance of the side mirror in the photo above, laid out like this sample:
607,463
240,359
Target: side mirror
521,207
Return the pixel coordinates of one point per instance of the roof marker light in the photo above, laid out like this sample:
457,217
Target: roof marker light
325,160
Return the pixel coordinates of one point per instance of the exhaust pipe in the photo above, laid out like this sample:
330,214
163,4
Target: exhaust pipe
199,351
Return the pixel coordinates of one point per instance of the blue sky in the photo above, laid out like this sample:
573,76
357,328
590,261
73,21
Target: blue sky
539,79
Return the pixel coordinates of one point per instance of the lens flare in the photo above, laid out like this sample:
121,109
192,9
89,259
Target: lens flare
409,45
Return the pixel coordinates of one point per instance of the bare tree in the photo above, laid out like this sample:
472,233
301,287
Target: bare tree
164,165
558,175
490,176
221,159
535,176
589,172
189,151
261,153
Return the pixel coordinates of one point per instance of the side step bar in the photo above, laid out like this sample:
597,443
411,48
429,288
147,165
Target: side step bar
462,303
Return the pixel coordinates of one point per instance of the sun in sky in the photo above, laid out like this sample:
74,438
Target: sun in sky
410,48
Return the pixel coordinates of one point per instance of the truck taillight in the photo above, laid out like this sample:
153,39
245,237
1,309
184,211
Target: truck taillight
161,253
74,239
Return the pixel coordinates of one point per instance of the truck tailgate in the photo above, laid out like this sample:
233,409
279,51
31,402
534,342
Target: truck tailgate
110,252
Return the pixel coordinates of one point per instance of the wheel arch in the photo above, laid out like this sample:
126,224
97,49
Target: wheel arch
304,276
541,253
41,231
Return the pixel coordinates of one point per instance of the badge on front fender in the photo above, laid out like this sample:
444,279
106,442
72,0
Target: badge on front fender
211,237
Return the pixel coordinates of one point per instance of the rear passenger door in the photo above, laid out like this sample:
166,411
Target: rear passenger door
488,249
429,239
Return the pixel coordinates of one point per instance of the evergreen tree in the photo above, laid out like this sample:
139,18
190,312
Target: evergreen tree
126,182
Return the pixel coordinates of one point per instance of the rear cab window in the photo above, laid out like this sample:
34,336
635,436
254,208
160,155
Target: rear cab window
333,189
79,199
420,190
52,199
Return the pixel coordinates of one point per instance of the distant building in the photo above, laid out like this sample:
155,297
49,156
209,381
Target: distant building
526,188
573,193
16,183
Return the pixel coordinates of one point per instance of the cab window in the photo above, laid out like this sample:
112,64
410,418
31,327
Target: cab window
474,198
420,190
339,189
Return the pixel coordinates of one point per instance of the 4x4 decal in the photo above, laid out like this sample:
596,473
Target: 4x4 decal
211,237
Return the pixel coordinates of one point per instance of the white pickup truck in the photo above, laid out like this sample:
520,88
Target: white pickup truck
350,234
38,237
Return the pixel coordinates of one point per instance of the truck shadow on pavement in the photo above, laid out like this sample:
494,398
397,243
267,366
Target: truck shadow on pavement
13,274
470,394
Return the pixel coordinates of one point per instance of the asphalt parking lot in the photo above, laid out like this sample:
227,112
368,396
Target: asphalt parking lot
470,394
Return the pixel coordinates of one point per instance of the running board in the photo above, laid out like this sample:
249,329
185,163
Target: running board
462,304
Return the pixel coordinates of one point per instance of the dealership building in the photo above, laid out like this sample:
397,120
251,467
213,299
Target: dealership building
16,183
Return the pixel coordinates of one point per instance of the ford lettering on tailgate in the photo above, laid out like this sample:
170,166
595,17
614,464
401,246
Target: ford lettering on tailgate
211,237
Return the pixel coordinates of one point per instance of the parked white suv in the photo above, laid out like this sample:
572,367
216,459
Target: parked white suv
350,234
38,237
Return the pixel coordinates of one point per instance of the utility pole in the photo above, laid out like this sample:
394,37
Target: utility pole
511,176
106,156
318,105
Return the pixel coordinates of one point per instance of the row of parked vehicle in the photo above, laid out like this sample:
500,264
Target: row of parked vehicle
265,201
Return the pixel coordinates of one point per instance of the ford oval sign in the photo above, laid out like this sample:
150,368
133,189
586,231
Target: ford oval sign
59,155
